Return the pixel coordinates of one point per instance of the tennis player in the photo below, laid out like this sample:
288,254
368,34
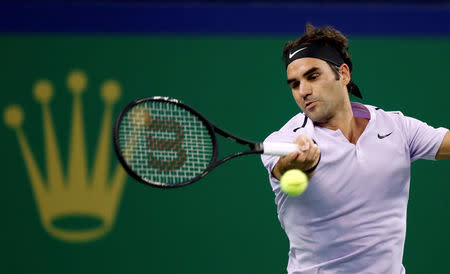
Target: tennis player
352,216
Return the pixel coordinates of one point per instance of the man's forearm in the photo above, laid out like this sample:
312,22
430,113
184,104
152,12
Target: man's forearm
444,150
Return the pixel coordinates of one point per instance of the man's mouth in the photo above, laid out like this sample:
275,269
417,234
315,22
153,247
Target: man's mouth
310,105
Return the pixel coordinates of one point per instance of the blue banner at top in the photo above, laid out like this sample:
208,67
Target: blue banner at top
241,19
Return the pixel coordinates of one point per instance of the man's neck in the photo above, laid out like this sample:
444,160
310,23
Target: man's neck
350,126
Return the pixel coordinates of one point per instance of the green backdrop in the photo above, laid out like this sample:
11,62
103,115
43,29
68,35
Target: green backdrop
225,223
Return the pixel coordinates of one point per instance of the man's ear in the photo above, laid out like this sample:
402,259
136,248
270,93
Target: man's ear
344,71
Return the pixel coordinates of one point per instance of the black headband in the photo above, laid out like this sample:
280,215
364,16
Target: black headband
316,51
325,53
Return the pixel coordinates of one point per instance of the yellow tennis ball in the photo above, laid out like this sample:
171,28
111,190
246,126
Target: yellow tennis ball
293,182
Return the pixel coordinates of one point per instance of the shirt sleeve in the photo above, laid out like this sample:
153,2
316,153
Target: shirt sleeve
269,161
286,134
423,140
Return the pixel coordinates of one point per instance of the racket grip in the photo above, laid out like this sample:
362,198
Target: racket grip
279,149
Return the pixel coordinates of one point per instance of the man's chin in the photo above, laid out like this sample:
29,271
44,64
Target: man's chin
311,114
317,119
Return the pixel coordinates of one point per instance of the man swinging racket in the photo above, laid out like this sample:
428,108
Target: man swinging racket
352,217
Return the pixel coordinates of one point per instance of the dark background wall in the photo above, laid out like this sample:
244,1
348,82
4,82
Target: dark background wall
224,60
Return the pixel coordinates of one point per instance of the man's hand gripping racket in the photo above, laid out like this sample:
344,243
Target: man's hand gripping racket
305,159
165,143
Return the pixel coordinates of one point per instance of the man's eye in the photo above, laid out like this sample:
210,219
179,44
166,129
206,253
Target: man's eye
314,76
295,85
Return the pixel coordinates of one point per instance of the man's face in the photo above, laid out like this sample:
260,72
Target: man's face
315,88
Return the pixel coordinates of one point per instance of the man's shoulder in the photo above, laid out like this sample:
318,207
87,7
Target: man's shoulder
388,119
376,111
380,112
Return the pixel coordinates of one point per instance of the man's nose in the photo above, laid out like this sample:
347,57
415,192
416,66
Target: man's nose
305,89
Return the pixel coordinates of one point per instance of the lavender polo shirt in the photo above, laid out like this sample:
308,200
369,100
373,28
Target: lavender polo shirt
352,216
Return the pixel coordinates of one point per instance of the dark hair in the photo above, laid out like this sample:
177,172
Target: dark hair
324,36
330,37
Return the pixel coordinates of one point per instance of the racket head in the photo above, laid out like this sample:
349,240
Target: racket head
163,142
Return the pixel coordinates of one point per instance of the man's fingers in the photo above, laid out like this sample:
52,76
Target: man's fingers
303,159
304,142
312,152
304,147
308,157
291,156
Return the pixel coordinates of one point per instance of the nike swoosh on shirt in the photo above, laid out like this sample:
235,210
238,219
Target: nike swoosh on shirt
384,136
295,52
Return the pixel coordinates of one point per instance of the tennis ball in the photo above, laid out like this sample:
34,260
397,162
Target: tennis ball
293,182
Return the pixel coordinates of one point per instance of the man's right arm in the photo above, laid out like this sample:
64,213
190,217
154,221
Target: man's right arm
307,158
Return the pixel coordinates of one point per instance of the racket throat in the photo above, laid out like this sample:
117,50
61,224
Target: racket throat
257,147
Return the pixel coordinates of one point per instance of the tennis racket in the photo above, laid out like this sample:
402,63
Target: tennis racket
163,142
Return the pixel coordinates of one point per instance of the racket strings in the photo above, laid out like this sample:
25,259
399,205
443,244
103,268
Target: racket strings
165,143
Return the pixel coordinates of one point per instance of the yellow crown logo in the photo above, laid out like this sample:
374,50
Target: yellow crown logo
75,194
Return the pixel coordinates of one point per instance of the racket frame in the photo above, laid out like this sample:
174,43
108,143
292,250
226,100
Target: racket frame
255,148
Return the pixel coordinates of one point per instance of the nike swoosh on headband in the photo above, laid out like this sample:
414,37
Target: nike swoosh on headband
295,52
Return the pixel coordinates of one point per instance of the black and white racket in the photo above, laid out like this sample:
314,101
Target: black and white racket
164,143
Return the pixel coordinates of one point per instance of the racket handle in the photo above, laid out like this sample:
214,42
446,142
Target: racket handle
279,149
